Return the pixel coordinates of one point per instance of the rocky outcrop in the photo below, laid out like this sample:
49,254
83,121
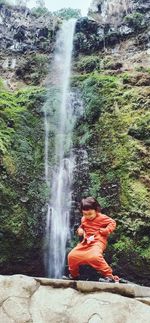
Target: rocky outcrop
25,299
112,22
26,41
23,32
114,11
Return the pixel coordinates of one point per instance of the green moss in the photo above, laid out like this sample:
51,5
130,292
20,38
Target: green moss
114,130
140,129
135,20
77,79
23,190
34,69
87,64
2,85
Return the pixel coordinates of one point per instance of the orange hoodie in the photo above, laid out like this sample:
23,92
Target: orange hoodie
101,226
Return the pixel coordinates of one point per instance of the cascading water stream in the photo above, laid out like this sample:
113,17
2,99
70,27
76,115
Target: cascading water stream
59,120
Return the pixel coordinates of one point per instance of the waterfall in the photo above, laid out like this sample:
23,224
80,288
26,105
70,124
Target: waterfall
58,154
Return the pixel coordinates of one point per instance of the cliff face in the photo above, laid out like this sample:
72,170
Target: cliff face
114,80
23,31
26,43
111,71
23,61
115,22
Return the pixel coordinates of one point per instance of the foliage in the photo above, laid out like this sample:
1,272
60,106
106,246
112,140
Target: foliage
67,13
2,85
40,11
94,102
33,70
88,64
141,128
114,130
135,20
23,190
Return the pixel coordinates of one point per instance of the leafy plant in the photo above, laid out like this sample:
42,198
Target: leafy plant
135,20
88,64
67,13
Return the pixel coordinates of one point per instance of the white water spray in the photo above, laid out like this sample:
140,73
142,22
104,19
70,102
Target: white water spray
59,121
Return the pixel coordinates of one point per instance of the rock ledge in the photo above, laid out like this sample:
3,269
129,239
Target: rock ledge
26,299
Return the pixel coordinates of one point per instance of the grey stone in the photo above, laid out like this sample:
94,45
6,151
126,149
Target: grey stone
41,300
17,309
17,286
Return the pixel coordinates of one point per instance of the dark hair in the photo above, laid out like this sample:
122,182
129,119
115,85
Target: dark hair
90,203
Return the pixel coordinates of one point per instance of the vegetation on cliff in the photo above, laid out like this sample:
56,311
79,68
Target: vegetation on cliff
22,184
114,129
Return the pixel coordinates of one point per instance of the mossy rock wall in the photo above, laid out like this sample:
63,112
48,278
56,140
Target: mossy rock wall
114,130
22,181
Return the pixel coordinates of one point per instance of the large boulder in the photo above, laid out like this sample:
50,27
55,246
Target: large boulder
25,299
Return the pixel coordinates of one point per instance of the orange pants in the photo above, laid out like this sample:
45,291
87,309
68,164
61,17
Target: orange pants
89,254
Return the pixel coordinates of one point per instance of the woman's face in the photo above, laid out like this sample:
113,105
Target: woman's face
89,214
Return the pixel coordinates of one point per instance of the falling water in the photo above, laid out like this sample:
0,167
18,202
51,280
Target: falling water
59,121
